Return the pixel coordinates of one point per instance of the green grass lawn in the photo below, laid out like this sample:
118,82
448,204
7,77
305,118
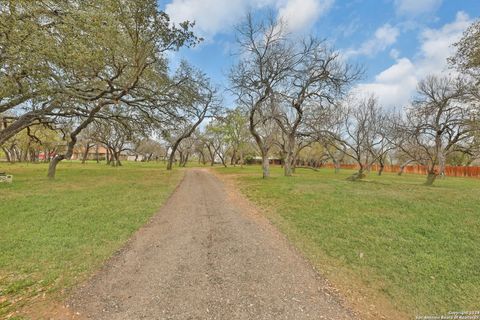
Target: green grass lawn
388,237
54,233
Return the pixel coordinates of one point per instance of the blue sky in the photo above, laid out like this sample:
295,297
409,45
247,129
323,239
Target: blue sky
397,41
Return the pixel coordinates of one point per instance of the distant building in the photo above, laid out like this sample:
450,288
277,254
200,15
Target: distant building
272,160
94,152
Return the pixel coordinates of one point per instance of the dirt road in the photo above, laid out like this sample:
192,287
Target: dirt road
203,257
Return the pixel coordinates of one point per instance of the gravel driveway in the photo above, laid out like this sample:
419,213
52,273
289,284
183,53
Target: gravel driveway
204,257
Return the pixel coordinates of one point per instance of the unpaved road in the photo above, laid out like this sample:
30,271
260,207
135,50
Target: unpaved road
203,257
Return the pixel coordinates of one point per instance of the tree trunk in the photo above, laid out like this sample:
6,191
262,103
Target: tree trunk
18,154
442,164
117,158
223,160
185,160
113,158
289,151
432,175
52,167
25,153
336,165
85,154
202,158
358,175
265,166
171,158
258,139
180,161
73,140
294,163
287,167
382,167
7,154
233,159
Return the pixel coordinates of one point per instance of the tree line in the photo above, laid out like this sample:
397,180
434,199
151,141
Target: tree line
69,66
89,73
297,93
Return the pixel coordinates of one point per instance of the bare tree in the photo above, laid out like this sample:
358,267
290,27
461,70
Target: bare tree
263,65
439,122
197,100
288,78
362,133
316,76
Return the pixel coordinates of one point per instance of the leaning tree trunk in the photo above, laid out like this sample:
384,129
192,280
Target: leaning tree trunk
52,167
73,140
185,160
171,158
7,154
223,159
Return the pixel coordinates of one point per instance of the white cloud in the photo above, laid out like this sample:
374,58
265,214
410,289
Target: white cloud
210,16
416,7
437,43
394,53
217,16
396,85
301,14
384,37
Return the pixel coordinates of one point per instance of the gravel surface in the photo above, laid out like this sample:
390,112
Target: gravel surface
205,257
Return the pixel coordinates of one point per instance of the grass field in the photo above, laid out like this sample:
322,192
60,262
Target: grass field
388,238
54,233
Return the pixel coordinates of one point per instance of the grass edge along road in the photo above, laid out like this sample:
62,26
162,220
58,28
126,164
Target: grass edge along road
53,234
390,244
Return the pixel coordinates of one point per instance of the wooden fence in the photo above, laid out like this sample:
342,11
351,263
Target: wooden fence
450,171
